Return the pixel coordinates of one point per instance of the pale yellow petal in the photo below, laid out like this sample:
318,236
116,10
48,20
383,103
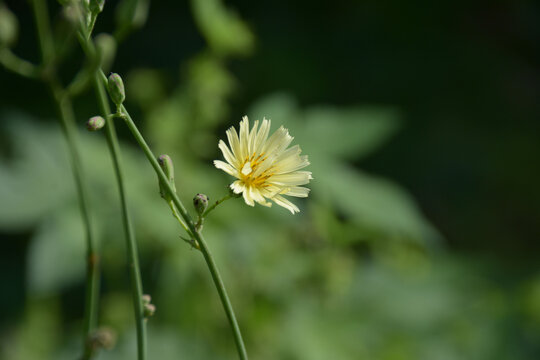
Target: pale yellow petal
229,157
261,137
234,143
251,140
244,138
226,167
247,198
281,201
297,191
238,187
256,195
291,179
290,161
278,140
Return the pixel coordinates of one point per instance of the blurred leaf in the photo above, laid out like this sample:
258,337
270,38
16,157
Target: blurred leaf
373,203
56,257
225,32
37,178
130,15
210,84
145,87
37,336
281,108
350,133
346,133
332,136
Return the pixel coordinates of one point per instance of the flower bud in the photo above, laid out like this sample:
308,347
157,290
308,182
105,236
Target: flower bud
95,123
149,310
9,26
146,299
72,15
166,165
102,338
116,89
200,202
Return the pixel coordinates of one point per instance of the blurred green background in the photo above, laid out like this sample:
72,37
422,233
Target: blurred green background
419,239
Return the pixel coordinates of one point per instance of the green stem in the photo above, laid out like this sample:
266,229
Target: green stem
88,47
177,217
17,65
67,118
197,236
92,279
202,217
226,197
133,258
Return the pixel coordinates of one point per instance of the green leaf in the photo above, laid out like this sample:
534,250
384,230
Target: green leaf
373,203
37,177
225,32
328,132
350,133
56,257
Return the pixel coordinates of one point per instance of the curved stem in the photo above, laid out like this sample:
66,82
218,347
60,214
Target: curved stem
197,236
17,65
133,258
92,277
67,119
84,36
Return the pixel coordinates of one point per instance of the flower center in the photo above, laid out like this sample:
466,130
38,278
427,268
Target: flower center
250,167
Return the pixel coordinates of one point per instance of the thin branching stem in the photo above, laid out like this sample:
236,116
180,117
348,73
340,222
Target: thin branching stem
114,149
17,65
67,119
133,257
193,232
214,205
196,234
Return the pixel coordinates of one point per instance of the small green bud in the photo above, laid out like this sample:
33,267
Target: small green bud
95,123
149,310
200,202
9,26
146,299
72,14
96,6
166,164
116,89
102,338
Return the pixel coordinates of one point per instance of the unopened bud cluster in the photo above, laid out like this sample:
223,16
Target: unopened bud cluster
95,123
148,308
102,338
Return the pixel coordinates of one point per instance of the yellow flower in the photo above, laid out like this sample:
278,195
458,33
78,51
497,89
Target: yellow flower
263,165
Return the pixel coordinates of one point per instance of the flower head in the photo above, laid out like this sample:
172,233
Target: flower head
264,166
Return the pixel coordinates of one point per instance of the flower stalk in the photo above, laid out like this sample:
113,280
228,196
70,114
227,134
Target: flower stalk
196,235
84,36
100,83
67,119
